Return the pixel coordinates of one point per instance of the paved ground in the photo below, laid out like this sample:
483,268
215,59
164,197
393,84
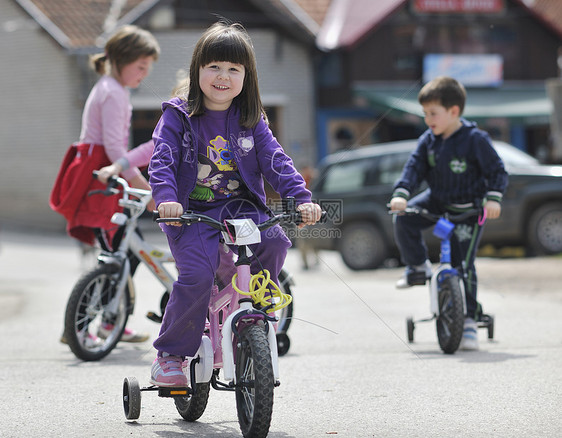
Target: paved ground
349,373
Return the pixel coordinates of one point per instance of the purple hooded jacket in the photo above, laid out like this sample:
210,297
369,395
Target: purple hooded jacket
173,167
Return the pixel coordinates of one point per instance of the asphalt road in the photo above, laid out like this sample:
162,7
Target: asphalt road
349,373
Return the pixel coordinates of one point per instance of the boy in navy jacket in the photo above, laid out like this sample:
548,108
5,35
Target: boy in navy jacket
463,171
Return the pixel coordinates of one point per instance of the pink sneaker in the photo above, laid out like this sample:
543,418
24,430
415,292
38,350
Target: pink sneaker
167,371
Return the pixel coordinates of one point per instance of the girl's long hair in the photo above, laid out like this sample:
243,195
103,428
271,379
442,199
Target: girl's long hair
227,42
125,46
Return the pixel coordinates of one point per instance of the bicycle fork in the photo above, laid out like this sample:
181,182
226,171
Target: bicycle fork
123,275
247,313
445,268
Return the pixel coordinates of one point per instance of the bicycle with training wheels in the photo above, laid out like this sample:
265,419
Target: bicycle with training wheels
446,286
104,297
239,336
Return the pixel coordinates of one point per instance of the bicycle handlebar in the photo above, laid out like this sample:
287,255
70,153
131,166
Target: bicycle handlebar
291,215
435,217
111,189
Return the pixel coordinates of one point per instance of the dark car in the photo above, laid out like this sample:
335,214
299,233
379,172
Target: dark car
355,187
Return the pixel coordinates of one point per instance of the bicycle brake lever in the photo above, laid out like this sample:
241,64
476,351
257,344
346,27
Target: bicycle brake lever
106,192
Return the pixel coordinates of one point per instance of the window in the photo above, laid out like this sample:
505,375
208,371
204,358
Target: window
390,167
345,177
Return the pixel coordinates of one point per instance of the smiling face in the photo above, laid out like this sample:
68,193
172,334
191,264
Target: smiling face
220,83
442,121
132,74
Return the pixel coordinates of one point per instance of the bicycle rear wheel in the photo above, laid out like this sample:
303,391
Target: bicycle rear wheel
254,382
450,321
285,315
94,320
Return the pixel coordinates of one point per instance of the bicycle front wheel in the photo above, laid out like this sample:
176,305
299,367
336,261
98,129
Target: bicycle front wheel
254,382
450,321
95,317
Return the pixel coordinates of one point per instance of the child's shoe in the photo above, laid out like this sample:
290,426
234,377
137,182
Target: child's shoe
469,341
91,341
128,335
167,371
415,275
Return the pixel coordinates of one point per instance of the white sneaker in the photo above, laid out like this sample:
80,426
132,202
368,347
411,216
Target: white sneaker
469,341
413,276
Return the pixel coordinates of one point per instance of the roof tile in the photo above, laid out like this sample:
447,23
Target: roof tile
81,21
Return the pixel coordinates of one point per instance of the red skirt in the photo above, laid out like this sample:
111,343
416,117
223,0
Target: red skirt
69,196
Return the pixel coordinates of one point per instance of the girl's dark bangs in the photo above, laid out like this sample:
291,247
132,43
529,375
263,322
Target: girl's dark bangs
229,48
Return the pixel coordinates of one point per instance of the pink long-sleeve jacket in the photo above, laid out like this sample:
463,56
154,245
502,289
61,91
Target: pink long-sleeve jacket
107,120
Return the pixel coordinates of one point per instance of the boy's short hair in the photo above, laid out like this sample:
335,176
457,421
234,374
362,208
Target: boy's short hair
445,90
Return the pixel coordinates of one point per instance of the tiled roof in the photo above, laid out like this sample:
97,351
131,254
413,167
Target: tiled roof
550,11
79,24
302,14
316,9
347,21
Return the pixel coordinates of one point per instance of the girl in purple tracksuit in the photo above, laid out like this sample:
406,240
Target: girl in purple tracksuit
213,147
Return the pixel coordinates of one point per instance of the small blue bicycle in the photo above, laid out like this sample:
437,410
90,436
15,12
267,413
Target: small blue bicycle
446,286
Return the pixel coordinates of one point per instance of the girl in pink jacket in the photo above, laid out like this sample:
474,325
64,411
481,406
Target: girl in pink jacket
104,142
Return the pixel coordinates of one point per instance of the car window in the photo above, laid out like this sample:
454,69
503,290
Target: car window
389,168
344,177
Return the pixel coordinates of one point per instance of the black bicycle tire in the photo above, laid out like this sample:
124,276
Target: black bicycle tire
254,382
450,322
193,406
73,307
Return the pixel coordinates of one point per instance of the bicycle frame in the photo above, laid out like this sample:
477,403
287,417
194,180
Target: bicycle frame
151,256
217,350
443,230
218,341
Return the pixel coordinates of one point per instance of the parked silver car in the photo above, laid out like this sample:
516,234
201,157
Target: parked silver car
355,186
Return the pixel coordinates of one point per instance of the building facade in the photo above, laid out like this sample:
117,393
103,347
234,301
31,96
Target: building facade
46,79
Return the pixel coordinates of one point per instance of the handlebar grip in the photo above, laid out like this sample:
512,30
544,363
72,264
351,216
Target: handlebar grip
155,215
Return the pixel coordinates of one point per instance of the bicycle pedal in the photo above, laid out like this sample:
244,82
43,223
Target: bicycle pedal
154,317
416,278
174,391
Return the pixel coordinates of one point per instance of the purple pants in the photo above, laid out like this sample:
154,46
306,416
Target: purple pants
196,251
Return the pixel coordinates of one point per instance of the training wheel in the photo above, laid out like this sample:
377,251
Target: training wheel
283,343
131,398
410,326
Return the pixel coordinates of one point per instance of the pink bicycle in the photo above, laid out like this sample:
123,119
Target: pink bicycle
240,336
103,298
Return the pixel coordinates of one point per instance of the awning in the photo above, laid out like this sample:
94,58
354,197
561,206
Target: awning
527,104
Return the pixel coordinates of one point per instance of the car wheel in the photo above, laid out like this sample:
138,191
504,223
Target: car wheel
362,246
544,235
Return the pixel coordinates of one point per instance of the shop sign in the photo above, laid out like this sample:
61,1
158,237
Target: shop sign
458,6
478,70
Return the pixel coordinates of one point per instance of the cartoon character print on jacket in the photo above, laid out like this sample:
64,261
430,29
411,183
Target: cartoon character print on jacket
208,180
217,175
